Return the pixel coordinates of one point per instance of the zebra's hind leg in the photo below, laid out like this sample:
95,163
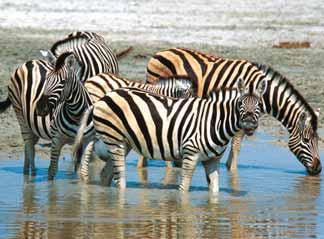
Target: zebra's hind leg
84,169
106,174
118,155
29,163
211,168
231,163
56,148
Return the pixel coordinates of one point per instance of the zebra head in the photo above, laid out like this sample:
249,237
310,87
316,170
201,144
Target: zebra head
66,67
249,106
303,142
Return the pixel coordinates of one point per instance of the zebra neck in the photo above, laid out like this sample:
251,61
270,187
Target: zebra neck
223,120
78,101
285,103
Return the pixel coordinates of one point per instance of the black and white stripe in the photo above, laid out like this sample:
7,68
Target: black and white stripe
70,98
90,49
158,127
27,82
280,100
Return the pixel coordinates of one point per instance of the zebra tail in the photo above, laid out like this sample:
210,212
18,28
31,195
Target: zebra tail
78,143
5,105
123,53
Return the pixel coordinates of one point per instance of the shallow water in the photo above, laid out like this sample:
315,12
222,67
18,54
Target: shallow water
270,197
231,23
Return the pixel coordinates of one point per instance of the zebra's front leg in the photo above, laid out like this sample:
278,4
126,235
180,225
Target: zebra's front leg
56,148
29,163
231,163
188,166
142,162
212,168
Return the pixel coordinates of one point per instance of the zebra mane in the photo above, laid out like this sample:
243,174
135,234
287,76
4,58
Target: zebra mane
64,45
210,58
60,61
89,35
275,75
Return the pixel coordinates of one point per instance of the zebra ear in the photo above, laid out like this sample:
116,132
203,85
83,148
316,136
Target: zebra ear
241,86
262,87
48,56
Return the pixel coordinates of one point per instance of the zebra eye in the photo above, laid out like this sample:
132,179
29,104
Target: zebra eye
305,140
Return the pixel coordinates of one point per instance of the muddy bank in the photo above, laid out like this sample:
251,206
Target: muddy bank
303,67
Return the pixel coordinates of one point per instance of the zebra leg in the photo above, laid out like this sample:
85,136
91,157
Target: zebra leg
84,169
118,155
231,163
106,174
29,163
56,148
188,166
142,162
212,168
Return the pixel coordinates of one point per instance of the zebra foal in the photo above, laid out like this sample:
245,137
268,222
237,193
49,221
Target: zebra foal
158,127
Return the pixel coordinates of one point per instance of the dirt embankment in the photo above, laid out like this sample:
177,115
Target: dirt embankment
303,67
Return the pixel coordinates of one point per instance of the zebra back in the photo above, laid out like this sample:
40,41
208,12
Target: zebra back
175,86
90,49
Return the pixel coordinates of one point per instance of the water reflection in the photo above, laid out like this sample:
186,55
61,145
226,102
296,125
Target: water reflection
71,209
252,203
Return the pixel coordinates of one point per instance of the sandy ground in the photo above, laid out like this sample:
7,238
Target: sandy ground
303,67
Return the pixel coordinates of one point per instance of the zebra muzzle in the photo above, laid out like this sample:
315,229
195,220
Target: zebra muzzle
316,167
249,126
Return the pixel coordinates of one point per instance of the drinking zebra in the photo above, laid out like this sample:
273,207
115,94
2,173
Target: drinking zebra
69,98
191,129
26,84
281,99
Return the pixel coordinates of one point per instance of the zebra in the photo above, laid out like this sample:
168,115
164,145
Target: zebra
159,127
69,98
281,100
24,90
90,49
26,84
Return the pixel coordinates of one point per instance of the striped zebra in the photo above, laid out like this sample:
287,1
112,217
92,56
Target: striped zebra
24,90
26,85
90,49
158,127
69,98
281,99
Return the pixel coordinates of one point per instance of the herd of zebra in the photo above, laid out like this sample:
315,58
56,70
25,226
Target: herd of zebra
191,106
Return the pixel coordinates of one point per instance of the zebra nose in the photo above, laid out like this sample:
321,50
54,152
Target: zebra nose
316,167
249,116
